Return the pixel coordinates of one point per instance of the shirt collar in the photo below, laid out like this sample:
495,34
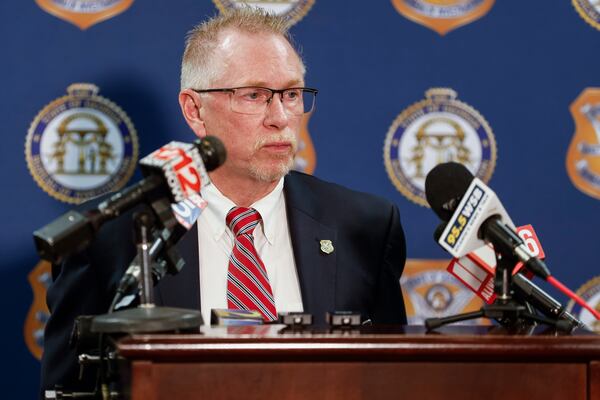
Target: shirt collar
267,207
219,205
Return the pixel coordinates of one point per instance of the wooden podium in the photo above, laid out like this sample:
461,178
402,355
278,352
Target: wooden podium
260,362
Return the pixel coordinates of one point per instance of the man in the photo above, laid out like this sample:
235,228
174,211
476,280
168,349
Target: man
308,245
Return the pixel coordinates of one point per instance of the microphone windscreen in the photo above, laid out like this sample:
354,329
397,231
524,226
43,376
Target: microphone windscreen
437,234
445,185
212,151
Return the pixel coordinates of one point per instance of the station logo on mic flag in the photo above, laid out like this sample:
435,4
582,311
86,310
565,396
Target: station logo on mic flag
188,210
583,156
436,130
445,15
292,10
589,10
590,292
84,13
81,145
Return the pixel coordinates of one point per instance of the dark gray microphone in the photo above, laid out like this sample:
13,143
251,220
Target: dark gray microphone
74,231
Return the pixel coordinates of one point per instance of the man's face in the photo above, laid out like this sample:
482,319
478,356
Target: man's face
259,147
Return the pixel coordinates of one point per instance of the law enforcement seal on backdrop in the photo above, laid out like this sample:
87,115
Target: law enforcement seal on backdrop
293,10
583,155
84,13
433,131
39,278
590,292
589,10
431,292
81,146
443,16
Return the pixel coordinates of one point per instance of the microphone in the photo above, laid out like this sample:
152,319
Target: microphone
474,216
176,171
533,294
177,222
477,269
476,272
184,166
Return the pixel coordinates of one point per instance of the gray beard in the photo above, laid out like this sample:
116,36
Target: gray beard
274,175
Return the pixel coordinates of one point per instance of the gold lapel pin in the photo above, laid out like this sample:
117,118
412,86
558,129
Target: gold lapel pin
326,246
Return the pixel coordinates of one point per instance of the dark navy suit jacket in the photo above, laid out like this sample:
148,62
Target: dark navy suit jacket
361,274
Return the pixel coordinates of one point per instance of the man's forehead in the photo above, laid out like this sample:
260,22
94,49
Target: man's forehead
248,57
234,40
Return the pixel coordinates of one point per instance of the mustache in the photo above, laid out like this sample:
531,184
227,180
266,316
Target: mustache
277,137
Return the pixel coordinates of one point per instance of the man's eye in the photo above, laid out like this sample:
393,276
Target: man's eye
292,94
253,95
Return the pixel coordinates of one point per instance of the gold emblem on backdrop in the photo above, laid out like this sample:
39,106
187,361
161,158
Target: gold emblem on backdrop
590,292
589,10
433,131
443,16
84,13
306,157
583,156
81,146
431,292
39,279
293,10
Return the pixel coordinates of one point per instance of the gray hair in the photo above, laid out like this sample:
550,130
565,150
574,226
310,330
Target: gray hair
198,67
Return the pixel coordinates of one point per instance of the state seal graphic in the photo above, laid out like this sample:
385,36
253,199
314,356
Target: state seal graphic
293,10
443,16
589,10
433,131
431,292
84,13
583,155
590,292
81,146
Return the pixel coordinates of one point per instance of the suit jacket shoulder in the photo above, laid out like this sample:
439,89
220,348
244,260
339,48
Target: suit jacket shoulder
330,199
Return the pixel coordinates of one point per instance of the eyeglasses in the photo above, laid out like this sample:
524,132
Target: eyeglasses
254,100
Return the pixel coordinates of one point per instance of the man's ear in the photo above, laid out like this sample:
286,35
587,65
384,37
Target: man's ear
190,103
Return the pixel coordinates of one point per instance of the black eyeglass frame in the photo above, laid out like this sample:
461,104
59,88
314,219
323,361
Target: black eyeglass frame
273,92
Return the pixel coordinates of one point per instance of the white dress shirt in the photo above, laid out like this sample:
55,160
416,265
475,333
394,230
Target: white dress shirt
271,239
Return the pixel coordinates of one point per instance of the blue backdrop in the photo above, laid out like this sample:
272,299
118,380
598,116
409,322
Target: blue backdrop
520,66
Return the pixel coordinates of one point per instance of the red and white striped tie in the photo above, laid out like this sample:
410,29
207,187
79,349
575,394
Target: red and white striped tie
248,286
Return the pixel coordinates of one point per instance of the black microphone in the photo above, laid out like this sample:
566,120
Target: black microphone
174,171
533,294
164,257
475,221
445,186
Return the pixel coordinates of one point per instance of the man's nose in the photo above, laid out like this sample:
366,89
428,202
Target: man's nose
276,115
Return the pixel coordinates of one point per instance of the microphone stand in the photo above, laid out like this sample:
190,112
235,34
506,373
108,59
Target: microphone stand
147,317
506,310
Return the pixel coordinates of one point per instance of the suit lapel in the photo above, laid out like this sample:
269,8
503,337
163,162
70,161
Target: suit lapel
316,269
